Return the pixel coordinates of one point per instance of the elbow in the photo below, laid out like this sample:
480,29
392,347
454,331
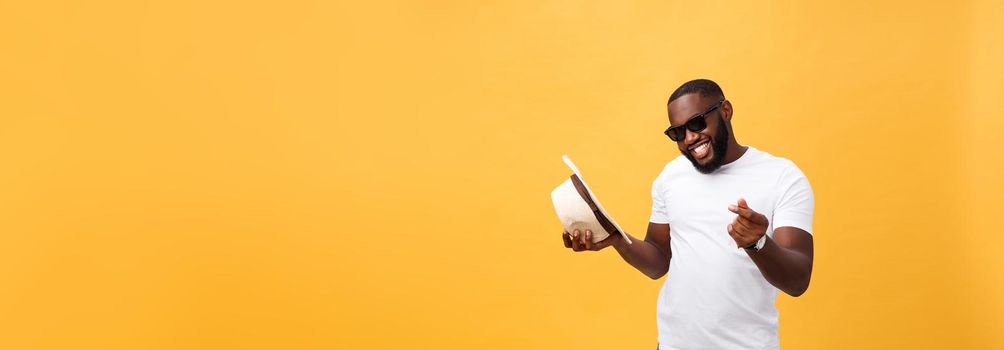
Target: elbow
796,293
798,290
797,285
657,273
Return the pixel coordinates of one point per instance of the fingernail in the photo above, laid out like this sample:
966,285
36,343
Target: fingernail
733,207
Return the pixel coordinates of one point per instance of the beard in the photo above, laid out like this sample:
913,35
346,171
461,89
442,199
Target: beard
718,145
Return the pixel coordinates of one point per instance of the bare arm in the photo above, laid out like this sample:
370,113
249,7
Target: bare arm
786,260
650,256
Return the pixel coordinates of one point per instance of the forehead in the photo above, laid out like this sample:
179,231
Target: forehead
686,106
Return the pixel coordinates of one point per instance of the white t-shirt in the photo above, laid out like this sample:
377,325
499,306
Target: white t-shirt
714,296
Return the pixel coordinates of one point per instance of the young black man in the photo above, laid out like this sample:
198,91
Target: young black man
730,226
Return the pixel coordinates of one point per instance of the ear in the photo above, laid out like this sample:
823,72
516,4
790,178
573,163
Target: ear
727,110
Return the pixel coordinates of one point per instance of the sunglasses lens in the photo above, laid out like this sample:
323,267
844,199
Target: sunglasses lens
697,124
675,134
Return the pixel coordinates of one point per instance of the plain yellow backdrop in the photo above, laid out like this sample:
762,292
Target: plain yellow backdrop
376,175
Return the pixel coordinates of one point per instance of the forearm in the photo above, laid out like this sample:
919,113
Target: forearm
787,269
644,256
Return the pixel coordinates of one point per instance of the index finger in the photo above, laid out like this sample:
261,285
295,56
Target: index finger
742,203
744,210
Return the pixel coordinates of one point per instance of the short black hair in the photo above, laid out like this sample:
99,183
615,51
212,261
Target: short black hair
704,87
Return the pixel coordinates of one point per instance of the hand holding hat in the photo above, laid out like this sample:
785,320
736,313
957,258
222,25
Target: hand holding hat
587,224
582,241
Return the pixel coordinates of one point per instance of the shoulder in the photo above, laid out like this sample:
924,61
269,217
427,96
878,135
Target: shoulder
790,177
784,167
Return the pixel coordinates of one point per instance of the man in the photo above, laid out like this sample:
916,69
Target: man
730,224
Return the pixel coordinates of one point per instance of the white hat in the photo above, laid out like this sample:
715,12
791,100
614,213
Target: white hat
578,208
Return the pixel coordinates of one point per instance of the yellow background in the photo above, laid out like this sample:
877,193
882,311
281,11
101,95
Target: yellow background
376,175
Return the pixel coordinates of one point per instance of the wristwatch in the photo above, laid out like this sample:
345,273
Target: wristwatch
755,247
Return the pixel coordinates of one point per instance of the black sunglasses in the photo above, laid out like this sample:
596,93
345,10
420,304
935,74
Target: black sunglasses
694,124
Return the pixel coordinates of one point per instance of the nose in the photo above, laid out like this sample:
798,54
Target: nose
691,137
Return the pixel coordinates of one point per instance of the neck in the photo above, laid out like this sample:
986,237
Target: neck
734,151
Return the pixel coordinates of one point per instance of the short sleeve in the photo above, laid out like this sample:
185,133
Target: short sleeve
797,201
659,213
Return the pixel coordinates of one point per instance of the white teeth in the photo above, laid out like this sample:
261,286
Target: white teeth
694,148
701,150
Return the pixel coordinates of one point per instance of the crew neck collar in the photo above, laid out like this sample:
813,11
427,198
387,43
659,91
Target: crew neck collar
742,159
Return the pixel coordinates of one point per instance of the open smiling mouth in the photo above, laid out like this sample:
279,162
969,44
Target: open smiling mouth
701,149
